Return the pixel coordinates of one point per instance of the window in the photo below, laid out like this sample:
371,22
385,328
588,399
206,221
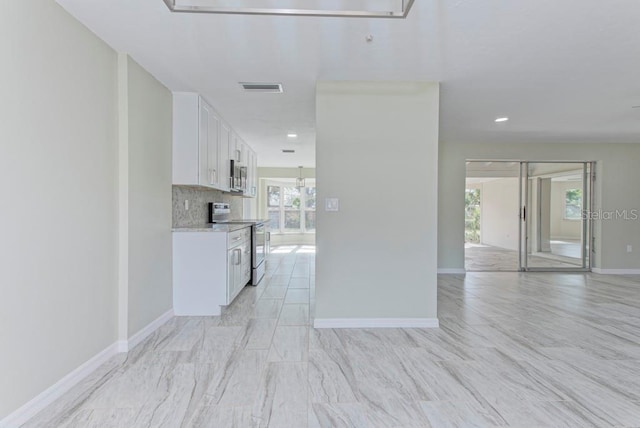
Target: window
291,209
472,215
573,204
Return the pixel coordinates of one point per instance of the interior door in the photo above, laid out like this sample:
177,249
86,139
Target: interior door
555,198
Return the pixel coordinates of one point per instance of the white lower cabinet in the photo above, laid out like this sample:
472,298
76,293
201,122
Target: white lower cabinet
237,265
209,270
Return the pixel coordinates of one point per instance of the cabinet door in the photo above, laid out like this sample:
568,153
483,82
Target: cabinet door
251,173
186,149
231,274
214,150
235,272
242,146
246,265
234,149
254,168
208,138
223,158
225,138
205,175
247,154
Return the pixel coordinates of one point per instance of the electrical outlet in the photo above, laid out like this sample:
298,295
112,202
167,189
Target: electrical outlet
331,204
629,249
186,205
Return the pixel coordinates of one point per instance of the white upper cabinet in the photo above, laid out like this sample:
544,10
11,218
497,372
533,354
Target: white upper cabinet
235,148
186,142
203,145
252,173
253,167
225,141
209,145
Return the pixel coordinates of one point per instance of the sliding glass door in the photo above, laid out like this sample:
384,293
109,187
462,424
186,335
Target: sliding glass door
555,229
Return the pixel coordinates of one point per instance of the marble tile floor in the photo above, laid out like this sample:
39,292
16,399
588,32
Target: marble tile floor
513,350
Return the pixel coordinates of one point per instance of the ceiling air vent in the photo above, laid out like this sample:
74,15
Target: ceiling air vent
288,151
275,88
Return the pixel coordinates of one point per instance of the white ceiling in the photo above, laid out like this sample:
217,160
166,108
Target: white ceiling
562,71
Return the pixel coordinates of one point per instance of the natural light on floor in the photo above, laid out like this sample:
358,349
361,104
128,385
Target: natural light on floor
298,249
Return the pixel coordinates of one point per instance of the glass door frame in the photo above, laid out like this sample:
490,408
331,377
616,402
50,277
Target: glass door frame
588,169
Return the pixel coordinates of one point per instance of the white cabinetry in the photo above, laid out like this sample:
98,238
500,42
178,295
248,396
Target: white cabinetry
209,270
209,144
238,256
252,174
196,142
203,145
225,138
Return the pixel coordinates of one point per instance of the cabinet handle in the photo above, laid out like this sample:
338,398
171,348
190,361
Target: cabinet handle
239,256
213,176
238,238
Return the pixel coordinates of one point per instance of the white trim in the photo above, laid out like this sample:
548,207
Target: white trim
616,271
145,332
123,346
48,396
123,198
376,323
451,270
45,398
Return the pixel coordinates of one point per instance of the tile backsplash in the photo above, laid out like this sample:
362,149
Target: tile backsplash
198,213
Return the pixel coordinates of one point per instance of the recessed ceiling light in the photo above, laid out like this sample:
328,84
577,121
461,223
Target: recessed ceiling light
502,119
292,135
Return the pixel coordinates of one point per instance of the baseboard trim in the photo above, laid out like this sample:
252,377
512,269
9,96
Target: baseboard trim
616,271
48,396
123,345
145,332
45,398
451,271
376,323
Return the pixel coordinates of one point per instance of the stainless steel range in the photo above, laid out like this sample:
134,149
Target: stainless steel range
219,212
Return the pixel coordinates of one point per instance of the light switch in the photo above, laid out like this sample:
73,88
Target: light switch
332,204
186,205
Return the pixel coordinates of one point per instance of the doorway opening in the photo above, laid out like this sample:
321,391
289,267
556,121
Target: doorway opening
491,216
528,216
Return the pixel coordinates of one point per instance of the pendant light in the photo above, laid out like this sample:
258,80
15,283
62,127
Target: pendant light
300,180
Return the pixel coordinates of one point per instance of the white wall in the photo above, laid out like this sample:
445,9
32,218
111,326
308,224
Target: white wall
58,175
617,175
562,228
85,162
499,213
149,214
372,261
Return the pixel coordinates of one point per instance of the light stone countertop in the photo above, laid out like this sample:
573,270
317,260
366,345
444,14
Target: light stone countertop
225,228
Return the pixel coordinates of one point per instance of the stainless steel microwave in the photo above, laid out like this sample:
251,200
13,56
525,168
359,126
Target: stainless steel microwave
238,178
